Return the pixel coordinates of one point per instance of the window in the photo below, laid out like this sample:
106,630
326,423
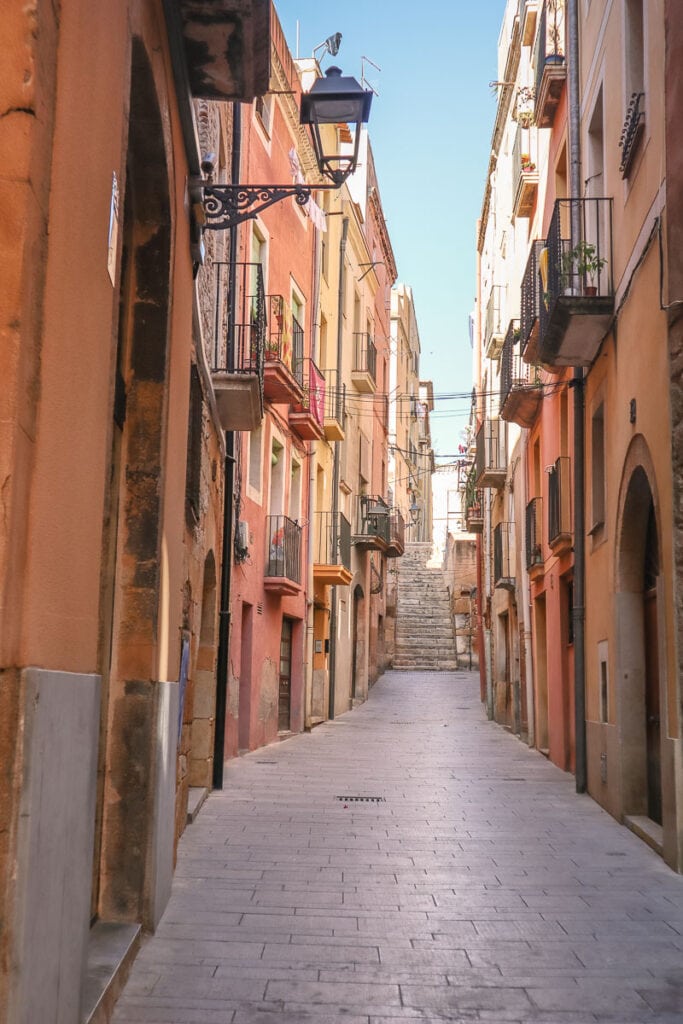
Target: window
603,681
255,459
634,47
263,109
598,468
295,491
277,478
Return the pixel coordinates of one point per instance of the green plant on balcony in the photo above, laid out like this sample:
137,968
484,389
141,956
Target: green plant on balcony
584,262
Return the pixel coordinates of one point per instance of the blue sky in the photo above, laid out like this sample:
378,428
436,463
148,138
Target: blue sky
431,129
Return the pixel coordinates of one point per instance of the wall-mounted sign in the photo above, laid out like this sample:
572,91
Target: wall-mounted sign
113,229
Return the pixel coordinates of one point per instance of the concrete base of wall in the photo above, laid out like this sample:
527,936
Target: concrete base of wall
51,915
111,951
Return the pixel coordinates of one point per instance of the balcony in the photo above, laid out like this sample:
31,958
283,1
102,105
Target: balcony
524,172
474,505
372,523
531,299
332,549
550,62
632,132
397,534
528,10
504,556
335,406
283,375
283,556
559,506
534,537
307,417
494,329
521,390
490,461
364,371
578,294
238,345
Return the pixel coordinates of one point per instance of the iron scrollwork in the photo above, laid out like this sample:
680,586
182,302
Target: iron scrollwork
225,206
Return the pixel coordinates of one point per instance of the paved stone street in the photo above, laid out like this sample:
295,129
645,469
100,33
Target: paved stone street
480,888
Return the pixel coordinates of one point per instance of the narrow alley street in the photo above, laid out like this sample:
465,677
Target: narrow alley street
410,861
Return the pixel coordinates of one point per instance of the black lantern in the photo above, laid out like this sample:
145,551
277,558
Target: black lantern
335,99
339,100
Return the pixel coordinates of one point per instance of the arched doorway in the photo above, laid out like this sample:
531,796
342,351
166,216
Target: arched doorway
132,553
639,640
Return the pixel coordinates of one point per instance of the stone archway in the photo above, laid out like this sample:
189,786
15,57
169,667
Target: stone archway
132,559
639,626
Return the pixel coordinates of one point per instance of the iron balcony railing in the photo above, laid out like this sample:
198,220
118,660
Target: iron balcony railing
578,257
510,361
397,529
632,132
494,330
313,400
240,322
524,162
491,456
532,294
364,355
534,533
559,495
332,539
504,555
283,552
335,397
550,47
372,518
285,338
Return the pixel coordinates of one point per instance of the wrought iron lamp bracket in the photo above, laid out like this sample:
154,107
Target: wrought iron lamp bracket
226,206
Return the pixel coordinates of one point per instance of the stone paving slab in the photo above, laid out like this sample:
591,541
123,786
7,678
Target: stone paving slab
477,888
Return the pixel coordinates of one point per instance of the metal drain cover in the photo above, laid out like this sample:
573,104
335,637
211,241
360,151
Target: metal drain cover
361,799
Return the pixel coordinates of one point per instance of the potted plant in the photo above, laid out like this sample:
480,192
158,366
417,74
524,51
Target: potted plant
588,263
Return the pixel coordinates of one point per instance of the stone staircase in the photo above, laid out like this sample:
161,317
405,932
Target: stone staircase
424,631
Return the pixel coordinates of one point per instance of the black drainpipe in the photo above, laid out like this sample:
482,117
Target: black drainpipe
226,562
578,609
336,466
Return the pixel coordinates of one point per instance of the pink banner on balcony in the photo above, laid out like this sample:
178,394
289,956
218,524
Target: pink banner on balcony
316,385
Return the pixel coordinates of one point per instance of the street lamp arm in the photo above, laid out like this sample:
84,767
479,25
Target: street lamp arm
225,206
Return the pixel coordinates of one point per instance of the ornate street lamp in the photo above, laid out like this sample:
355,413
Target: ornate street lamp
335,99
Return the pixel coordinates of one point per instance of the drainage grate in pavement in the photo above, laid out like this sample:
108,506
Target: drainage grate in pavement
266,762
361,799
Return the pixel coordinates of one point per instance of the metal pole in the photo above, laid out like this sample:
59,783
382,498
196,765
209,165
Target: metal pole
336,466
222,660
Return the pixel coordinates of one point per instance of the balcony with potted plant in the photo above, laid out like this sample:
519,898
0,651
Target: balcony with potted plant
307,417
549,61
524,165
238,347
578,291
283,372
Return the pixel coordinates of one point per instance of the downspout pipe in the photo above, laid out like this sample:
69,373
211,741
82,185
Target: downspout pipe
578,609
336,467
229,477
